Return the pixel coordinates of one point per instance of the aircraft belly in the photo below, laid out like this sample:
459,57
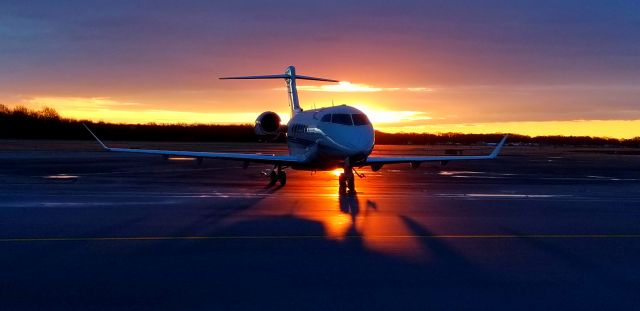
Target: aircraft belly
319,154
322,158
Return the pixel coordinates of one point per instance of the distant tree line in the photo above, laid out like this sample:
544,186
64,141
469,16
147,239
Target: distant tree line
23,123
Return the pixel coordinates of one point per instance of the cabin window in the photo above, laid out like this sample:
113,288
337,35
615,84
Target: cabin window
326,118
360,119
298,128
341,118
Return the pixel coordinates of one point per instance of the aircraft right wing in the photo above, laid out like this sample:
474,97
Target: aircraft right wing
286,160
377,162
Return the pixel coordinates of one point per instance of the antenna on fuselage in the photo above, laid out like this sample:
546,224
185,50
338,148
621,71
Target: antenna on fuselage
290,78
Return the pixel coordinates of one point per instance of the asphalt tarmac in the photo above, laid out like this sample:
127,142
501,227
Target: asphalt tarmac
537,228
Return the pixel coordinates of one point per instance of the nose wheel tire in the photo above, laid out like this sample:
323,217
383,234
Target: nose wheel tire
282,178
346,183
351,184
342,184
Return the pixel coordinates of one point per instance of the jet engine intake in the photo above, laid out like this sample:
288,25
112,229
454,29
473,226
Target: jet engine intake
267,124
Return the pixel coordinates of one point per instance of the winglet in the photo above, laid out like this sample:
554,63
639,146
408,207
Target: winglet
96,137
498,147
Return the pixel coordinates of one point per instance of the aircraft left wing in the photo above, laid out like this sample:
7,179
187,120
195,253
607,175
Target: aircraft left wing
246,157
377,162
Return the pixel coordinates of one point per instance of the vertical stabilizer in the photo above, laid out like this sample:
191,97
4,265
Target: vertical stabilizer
294,104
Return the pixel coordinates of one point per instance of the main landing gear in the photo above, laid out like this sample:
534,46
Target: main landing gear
277,175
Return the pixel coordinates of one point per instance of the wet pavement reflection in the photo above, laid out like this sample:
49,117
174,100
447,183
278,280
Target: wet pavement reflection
88,227
357,220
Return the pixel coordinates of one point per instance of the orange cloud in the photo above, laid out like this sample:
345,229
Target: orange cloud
602,128
110,110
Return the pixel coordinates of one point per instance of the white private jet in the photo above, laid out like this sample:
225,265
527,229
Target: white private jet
318,139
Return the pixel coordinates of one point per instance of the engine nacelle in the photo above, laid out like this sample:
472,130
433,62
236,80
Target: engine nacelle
267,124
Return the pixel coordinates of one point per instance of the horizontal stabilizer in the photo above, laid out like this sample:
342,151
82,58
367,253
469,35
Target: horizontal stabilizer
257,77
315,79
285,76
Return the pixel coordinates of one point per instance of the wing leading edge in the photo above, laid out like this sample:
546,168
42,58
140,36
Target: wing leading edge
379,161
257,158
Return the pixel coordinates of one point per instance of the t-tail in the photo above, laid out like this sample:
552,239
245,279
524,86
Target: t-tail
290,78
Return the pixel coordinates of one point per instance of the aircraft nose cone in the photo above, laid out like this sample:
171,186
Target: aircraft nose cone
362,144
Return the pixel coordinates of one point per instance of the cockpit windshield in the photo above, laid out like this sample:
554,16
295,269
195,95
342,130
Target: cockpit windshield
341,118
356,119
360,119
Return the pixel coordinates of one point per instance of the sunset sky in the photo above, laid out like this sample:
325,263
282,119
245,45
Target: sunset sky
528,67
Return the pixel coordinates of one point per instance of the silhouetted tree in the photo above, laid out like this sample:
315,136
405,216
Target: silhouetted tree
4,109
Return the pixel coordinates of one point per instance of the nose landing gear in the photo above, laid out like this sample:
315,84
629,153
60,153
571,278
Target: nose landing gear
343,184
346,181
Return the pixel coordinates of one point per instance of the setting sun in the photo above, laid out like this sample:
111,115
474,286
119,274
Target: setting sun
378,115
